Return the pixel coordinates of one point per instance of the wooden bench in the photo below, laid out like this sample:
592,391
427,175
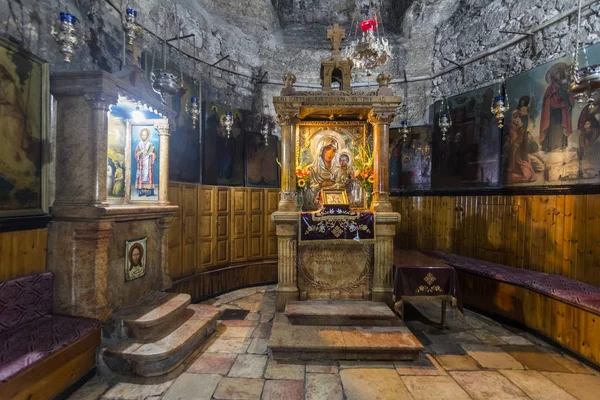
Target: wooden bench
41,354
562,309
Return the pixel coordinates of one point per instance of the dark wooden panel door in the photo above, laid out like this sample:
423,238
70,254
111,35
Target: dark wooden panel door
256,228
271,204
207,221
189,213
223,207
174,194
239,224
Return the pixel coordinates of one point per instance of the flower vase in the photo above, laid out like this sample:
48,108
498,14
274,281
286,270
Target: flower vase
299,200
369,199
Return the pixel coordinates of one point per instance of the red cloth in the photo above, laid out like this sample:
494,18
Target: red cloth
553,99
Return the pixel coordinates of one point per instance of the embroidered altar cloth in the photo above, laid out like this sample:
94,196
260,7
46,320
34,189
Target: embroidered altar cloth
336,224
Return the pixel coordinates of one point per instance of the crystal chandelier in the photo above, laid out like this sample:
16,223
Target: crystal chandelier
370,50
228,123
584,80
265,131
444,122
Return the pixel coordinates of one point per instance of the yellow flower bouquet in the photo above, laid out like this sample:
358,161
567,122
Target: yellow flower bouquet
364,172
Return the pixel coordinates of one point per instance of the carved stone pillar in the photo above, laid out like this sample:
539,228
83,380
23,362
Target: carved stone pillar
287,258
385,229
80,286
163,231
163,132
287,119
381,118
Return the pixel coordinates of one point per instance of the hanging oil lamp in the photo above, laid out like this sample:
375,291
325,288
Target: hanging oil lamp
228,123
404,129
265,132
444,122
193,109
130,26
584,80
500,106
65,35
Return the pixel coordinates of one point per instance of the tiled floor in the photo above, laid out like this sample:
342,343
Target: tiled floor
476,358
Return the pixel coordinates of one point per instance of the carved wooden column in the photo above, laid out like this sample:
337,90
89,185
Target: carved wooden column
163,132
381,118
287,257
287,119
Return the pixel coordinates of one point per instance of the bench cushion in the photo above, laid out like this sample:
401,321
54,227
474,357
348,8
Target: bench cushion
25,299
22,347
564,289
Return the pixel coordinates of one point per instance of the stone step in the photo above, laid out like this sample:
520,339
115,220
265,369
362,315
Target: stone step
153,316
133,357
293,342
340,312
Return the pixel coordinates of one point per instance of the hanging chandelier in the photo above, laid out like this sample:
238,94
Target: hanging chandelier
584,80
445,121
370,50
228,123
500,104
265,131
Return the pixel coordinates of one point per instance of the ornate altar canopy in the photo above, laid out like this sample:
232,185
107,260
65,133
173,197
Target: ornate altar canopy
339,256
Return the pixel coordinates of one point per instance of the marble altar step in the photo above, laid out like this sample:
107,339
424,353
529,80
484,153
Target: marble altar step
153,315
139,357
340,313
328,342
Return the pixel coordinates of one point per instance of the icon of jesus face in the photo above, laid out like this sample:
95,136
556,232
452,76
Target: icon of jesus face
135,256
343,161
144,134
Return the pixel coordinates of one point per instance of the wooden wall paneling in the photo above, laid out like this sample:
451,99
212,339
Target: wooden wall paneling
256,226
207,227
175,234
22,253
271,205
239,224
189,219
222,240
591,273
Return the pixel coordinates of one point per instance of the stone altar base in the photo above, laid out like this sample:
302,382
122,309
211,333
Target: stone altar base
341,330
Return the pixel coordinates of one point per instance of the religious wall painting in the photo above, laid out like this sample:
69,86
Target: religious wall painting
410,159
185,138
223,159
116,166
327,153
145,162
262,169
135,259
470,156
548,139
24,112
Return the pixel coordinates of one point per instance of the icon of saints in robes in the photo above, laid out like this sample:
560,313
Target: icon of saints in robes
555,125
323,173
145,157
346,179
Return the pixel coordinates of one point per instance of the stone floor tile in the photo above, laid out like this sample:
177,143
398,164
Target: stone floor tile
258,346
434,387
253,317
212,363
572,364
323,387
133,391
534,358
323,367
445,348
487,337
239,389
283,390
92,389
284,370
262,331
464,338
369,384
237,322
452,362
193,387
248,366
499,330
475,322
425,365
234,331
232,345
536,385
515,340
584,387
492,357
245,305
366,364
487,385
265,318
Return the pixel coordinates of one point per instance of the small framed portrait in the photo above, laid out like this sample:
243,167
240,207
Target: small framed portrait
334,197
135,259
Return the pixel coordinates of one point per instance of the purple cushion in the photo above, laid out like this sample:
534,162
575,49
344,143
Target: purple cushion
25,299
29,343
557,286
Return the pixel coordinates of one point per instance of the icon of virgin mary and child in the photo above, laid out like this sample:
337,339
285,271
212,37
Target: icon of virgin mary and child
332,169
